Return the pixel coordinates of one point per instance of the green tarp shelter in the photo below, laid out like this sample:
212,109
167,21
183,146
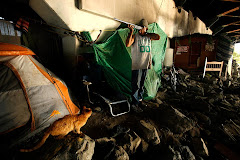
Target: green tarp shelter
115,59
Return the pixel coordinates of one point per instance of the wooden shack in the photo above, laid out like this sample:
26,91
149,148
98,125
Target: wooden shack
190,51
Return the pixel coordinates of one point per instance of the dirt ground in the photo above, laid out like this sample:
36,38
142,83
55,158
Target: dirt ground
200,109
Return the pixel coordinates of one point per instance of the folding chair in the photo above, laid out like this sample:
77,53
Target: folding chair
109,102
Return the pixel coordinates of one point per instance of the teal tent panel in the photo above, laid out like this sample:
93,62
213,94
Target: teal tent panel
115,59
153,79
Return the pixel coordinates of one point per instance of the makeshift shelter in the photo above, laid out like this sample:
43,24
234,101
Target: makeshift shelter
115,59
29,92
191,51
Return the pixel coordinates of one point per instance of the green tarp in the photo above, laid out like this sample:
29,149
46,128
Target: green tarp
115,59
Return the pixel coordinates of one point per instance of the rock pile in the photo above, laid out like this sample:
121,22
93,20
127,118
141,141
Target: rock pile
199,121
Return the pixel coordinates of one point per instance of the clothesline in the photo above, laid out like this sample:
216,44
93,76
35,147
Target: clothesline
41,22
70,32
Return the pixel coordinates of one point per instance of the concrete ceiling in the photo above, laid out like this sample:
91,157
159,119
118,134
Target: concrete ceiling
13,9
221,16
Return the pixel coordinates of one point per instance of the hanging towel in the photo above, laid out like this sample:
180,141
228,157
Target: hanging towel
6,28
19,23
22,25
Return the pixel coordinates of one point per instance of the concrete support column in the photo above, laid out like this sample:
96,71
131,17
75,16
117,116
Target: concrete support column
70,51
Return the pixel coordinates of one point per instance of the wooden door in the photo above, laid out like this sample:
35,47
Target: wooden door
195,52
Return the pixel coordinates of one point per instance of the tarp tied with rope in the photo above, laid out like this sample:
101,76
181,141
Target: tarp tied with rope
115,59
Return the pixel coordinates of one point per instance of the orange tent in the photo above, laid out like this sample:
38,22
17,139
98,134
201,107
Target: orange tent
29,91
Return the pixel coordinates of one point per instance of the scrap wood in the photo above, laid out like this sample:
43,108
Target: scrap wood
232,129
225,130
230,110
236,127
235,124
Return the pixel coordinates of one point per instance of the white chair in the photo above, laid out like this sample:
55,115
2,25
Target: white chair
213,66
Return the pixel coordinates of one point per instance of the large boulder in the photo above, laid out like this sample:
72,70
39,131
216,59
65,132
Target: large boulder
81,148
144,146
197,90
202,118
130,142
200,104
195,132
186,153
176,121
72,146
119,154
118,129
148,132
175,153
104,147
172,154
200,147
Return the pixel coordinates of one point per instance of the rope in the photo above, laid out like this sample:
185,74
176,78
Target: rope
41,22
65,35
74,33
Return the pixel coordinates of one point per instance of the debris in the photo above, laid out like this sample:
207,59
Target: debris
237,126
130,142
97,109
200,147
228,133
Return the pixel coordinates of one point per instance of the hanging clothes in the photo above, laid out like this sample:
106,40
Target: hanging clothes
22,25
6,28
8,34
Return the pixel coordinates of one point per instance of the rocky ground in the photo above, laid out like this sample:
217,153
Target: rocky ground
199,121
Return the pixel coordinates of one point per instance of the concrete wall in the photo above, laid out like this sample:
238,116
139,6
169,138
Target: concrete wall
95,15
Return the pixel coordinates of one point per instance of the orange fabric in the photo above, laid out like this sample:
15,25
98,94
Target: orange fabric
7,49
55,112
62,90
33,127
22,25
25,25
